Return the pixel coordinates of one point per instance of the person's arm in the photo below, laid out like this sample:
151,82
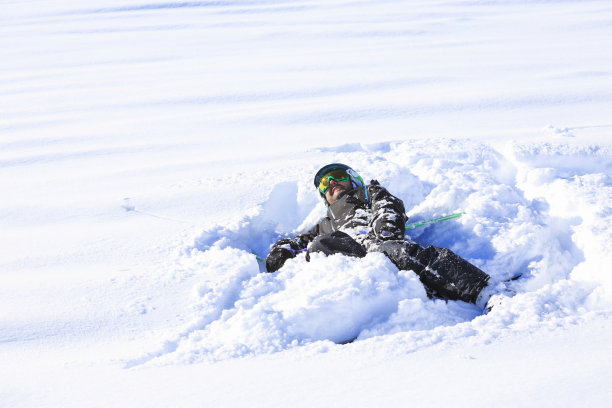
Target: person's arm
388,213
288,248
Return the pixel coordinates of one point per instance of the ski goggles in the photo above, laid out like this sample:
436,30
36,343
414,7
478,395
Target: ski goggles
337,175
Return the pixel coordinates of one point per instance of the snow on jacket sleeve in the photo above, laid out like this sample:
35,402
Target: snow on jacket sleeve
388,213
299,242
286,248
304,239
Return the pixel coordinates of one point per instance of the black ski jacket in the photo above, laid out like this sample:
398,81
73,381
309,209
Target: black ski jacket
365,213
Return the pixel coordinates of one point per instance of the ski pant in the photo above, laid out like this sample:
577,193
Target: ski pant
444,274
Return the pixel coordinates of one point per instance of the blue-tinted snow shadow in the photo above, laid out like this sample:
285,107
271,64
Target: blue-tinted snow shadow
450,234
280,214
565,160
222,7
383,147
549,255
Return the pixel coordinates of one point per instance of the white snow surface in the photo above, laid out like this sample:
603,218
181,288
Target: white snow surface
150,150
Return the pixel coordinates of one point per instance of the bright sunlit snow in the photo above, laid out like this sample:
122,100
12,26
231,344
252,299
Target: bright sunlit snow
150,151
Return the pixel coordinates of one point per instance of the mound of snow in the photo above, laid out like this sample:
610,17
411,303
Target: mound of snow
517,223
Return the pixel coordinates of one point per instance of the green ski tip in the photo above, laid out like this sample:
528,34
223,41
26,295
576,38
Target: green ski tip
446,217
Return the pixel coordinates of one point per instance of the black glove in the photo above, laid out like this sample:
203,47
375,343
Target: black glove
290,243
277,257
386,229
284,249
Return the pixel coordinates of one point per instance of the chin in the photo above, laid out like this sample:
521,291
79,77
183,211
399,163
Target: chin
336,196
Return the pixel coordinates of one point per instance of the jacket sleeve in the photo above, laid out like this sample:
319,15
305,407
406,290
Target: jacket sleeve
303,240
300,241
388,213
286,248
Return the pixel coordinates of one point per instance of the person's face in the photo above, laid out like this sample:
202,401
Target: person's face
336,189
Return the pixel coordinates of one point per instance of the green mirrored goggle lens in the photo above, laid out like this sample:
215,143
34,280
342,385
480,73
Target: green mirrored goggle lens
338,175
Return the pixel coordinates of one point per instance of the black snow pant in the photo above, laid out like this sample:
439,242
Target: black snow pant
444,274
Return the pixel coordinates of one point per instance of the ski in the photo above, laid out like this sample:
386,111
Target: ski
446,217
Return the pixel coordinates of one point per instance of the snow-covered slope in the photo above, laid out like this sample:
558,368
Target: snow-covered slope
149,150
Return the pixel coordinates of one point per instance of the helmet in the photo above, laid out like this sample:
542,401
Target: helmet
356,179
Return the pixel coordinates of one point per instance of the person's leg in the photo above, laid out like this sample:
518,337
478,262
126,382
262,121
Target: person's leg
336,243
444,274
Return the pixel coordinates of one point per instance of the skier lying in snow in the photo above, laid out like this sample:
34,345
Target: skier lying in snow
363,219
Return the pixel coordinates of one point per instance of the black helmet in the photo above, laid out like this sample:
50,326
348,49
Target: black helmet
356,179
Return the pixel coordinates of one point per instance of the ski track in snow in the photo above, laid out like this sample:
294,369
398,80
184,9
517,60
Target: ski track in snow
518,221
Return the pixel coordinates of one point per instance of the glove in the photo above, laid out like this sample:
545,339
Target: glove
277,257
385,230
288,242
284,249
